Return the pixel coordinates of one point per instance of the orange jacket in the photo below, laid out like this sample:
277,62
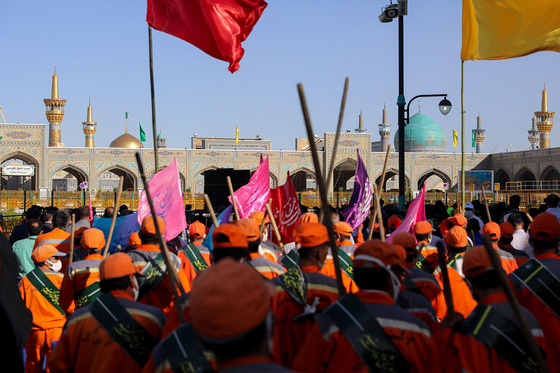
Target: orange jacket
187,266
430,253
509,264
86,347
328,268
59,238
77,277
327,349
45,315
289,335
266,267
520,256
418,306
268,253
431,289
173,321
463,302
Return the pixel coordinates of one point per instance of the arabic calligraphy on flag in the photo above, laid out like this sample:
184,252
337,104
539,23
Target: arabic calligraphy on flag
285,209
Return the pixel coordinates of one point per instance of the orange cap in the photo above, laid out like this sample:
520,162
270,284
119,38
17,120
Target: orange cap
197,229
507,230
308,217
148,228
117,265
258,216
44,252
404,239
250,227
456,237
401,252
476,262
229,236
134,239
445,226
545,227
492,230
342,228
229,300
459,220
377,249
79,232
92,238
423,227
394,222
376,227
311,234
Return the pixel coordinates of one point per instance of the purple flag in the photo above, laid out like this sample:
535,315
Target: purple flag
360,202
416,212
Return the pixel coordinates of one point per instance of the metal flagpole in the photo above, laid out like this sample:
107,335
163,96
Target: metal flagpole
154,129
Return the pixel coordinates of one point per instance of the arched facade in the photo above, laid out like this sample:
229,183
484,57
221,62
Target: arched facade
524,174
343,172
390,173
75,171
130,180
433,172
550,178
26,159
502,177
301,178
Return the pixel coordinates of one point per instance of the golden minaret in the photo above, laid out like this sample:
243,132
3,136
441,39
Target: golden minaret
544,121
89,127
55,112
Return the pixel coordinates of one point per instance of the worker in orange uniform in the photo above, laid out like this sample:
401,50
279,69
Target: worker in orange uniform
80,285
489,339
506,238
40,290
155,289
492,230
194,256
267,249
114,333
265,267
342,233
303,292
133,241
393,223
428,259
544,268
417,280
456,243
57,237
371,320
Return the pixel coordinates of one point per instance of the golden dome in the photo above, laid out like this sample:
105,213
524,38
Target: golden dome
126,140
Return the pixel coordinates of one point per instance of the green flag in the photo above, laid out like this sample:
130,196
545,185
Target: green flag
473,139
126,115
142,133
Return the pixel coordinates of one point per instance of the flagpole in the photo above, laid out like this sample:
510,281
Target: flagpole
462,135
154,129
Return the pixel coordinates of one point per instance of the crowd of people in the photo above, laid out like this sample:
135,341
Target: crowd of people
246,304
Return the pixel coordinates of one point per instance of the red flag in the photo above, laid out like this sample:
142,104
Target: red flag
217,27
285,209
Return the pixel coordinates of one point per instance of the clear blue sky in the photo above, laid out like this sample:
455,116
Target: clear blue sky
101,50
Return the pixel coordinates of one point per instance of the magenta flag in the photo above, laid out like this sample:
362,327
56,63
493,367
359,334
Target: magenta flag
165,189
360,202
254,196
416,212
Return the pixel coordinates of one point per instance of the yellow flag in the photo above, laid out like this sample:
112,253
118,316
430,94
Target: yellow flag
455,138
237,134
500,29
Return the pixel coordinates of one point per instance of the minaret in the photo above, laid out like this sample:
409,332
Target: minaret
544,121
361,128
89,127
479,134
384,130
55,112
161,141
533,134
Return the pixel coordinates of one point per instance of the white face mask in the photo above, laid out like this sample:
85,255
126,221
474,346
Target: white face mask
135,287
56,267
265,234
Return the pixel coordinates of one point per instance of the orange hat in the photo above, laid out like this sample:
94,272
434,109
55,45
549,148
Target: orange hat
423,227
492,230
258,216
148,228
456,237
343,228
370,250
134,239
445,226
394,222
92,238
404,239
545,227
117,265
44,252
229,300
507,230
250,227
308,217
79,232
401,252
376,227
476,262
311,234
229,236
197,229
459,220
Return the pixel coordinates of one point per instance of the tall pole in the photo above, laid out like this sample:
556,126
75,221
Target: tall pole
463,135
154,129
401,102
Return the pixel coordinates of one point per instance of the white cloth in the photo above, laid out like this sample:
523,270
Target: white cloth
519,241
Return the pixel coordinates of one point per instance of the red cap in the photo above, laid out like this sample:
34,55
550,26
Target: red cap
394,222
311,234
456,237
229,236
258,216
476,262
342,228
44,252
148,228
384,251
376,227
92,238
491,230
423,227
507,230
545,227
117,265
250,227
197,229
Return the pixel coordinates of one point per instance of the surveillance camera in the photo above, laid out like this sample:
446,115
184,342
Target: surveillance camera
390,12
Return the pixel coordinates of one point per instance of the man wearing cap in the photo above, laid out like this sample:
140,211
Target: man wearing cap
506,238
39,290
80,285
155,289
342,233
456,243
493,231
371,319
302,293
428,258
499,346
393,223
469,214
194,256
114,333
543,269
456,220
58,237
267,249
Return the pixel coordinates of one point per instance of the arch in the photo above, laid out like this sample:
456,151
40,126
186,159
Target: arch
301,179
130,180
75,171
26,159
502,177
524,175
343,172
433,172
550,178
273,180
390,173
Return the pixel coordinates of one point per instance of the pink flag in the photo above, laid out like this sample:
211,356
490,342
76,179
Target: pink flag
165,189
416,212
254,196
286,210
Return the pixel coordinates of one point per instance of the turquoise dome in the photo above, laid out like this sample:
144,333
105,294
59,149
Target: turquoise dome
422,134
